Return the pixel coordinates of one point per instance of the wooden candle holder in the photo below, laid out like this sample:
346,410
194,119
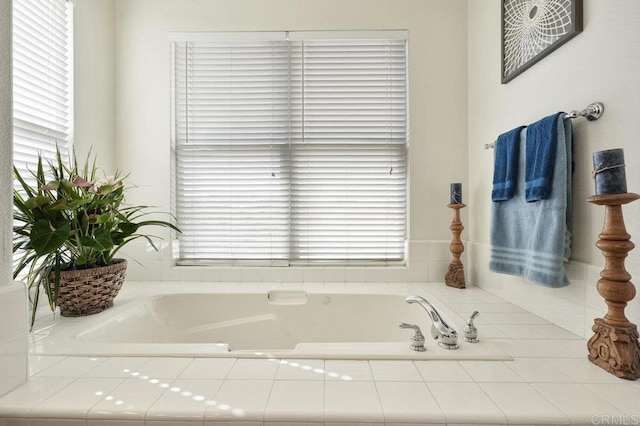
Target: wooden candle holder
614,346
455,275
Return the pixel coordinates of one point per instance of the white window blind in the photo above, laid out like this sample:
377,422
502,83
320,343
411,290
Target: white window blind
42,80
291,147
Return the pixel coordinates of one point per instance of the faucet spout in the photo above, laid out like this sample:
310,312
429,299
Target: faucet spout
448,337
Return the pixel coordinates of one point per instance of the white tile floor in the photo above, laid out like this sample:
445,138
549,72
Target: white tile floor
548,382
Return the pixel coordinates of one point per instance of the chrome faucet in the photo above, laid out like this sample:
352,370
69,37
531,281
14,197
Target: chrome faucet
439,328
470,332
417,339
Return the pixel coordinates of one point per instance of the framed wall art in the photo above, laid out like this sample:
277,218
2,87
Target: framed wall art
531,29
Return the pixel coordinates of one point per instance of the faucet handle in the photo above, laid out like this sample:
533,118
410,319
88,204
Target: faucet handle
417,338
470,330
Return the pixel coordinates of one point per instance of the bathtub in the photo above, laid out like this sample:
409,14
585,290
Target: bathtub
253,321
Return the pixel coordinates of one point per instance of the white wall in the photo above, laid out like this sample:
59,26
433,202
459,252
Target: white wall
13,327
600,64
438,99
94,81
5,142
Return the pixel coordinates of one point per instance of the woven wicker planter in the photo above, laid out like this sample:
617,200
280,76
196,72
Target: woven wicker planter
89,291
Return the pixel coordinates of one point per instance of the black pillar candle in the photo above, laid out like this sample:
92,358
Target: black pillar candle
609,173
456,193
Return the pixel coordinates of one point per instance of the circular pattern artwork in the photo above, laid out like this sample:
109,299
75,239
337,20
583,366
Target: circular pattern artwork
533,28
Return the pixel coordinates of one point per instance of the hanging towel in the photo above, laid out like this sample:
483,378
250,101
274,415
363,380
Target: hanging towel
541,157
532,240
505,168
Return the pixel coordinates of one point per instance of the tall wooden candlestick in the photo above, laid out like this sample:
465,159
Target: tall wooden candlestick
455,275
614,346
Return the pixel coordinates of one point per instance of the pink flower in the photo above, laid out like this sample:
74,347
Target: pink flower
51,186
82,182
110,183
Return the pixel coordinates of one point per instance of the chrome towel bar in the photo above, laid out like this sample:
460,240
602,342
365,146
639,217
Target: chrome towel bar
591,112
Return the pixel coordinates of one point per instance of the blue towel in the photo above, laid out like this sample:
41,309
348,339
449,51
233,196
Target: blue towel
532,240
541,157
505,168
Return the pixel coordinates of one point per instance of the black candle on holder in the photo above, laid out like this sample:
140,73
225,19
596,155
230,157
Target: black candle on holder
456,193
609,173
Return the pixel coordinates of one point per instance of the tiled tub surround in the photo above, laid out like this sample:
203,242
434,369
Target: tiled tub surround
549,381
573,307
428,261
13,336
333,321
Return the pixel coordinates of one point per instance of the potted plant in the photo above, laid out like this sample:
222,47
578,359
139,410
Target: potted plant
68,226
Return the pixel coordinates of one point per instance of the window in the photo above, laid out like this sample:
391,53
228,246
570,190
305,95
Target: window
290,147
42,80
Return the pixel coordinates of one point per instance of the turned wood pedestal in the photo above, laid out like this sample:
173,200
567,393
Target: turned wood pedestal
455,275
614,346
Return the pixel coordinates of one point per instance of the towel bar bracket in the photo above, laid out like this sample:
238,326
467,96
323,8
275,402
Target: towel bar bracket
592,112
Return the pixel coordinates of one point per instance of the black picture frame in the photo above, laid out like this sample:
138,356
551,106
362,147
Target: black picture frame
530,32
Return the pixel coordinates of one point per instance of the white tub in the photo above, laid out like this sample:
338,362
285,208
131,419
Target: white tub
218,320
